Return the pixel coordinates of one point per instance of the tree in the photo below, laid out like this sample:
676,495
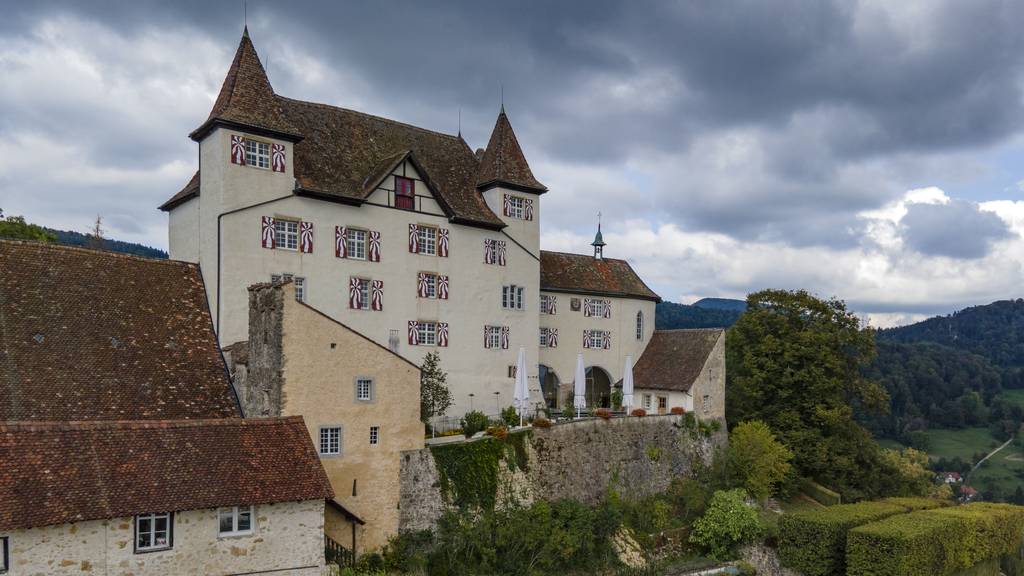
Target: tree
728,521
16,227
759,461
435,398
794,362
96,240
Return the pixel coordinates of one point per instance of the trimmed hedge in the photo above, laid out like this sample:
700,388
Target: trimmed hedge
819,493
814,542
935,542
913,504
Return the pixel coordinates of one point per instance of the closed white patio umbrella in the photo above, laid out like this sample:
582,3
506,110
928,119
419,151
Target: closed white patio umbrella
627,384
521,395
580,386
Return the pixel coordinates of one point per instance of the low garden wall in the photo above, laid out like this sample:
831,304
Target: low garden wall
578,460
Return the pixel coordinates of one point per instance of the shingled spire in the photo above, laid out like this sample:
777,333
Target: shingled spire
503,162
246,99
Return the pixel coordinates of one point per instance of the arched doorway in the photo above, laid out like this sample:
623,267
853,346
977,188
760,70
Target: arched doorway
599,388
549,384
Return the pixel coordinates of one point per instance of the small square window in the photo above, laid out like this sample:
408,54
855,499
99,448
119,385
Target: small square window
706,404
364,293
428,289
300,284
405,193
153,532
330,440
543,337
426,333
493,337
257,154
235,520
427,240
364,389
512,297
286,234
517,207
596,338
647,401
374,435
356,244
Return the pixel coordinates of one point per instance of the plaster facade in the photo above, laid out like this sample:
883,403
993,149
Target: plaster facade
287,540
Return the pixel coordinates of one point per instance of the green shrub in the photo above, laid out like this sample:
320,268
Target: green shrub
917,544
473,422
913,504
407,552
510,417
728,521
994,529
814,542
759,462
819,493
468,471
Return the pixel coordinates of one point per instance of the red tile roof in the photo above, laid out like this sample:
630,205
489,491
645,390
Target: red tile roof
92,335
580,273
673,359
191,190
503,161
60,472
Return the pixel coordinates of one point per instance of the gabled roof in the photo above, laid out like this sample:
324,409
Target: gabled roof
246,98
61,472
92,335
673,359
579,273
503,162
191,190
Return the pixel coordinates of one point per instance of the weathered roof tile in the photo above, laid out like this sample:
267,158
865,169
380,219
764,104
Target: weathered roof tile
563,272
673,359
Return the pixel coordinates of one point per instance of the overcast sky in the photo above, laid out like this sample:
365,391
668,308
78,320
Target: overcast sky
870,150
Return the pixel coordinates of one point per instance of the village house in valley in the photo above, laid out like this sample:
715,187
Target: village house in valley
121,437
405,235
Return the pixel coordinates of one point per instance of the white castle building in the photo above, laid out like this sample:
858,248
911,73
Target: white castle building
405,235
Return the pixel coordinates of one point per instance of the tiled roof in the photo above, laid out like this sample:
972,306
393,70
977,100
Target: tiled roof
563,272
60,472
503,161
91,335
246,97
190,191
674,358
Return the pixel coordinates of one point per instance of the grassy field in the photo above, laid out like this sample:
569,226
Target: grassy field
1003,472
963,443
1014,396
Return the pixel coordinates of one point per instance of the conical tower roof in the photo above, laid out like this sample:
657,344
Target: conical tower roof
246,98
503,162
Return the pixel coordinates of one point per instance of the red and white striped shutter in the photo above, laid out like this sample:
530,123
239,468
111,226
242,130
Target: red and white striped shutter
341,241
277,157
552,304
586,306
421,285
607,308
504,337
501,252
414,238
442,334
586,338
442,287
442,242
607,340
552,337
507,208
413,333
374,246
268,232
238,150
354,294
487,341
306,237
528,211
488,251
377,299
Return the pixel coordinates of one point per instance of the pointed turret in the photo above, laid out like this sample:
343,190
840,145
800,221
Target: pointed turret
598,242
246,99
503,162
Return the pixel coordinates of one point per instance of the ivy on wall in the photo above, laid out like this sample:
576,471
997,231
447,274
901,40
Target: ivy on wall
468,471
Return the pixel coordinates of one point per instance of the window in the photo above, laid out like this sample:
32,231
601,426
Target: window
639,325
356,244
5,561
405,193
330,440
427,240
493,336
286,234
647,401
235,520
363,285
512,297
598,308
662,403
491,251
543,337
364,389
426,333
596,338
517,207
706,404
257,154
429,287
547,304
374,435
153,532
300,284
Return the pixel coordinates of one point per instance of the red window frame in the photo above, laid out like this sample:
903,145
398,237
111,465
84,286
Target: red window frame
405,193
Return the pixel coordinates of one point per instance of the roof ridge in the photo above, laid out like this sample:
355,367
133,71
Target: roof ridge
111,253
705,329
368,115
69,425
585,256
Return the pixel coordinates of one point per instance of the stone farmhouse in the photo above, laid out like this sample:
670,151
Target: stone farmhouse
121,438
407,236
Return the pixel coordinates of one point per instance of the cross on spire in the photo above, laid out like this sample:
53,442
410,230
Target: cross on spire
598,242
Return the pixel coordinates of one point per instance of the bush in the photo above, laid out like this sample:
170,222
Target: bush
510,417
759,461
819,493
407,552
542,423
678,410
918,544
814,542
603,413
473,422
995,529
638,412
913,504
728,521
499,432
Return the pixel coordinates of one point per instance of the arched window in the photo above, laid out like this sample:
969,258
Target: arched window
639,325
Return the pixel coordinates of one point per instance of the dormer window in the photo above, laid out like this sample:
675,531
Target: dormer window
405,193
257,154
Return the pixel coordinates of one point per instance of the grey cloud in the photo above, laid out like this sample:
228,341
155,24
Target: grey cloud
957,230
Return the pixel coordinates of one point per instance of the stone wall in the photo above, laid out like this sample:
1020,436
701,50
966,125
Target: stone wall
580,460
256,366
